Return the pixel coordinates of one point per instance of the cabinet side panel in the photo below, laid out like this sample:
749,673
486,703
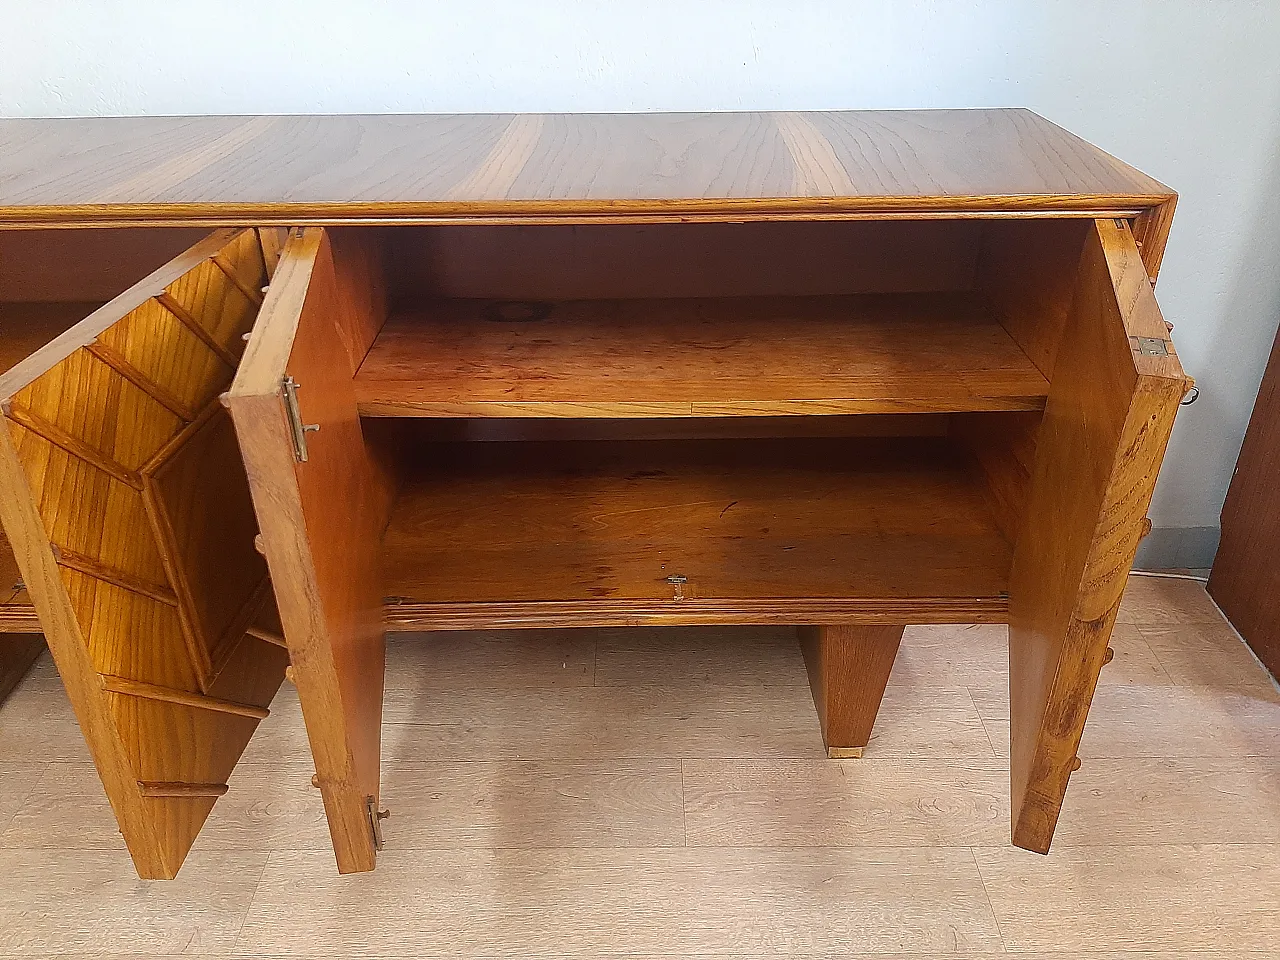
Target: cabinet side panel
1105,428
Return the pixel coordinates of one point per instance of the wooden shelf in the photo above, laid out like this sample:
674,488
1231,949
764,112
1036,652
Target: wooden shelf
837,530
746,356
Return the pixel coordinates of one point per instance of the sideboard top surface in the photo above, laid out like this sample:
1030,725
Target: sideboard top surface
420,168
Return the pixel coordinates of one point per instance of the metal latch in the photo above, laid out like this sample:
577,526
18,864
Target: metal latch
376,817
1151,346
678,581
289,388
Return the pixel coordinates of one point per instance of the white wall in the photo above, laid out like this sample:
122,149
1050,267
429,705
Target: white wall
1187,90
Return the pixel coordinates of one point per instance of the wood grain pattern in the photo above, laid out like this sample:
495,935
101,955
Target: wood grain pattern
200,913
328,169
760,530
1165,896
643,902
848,670
1245,580
88,449
120,459
873,802
322,520
679,358
1098,453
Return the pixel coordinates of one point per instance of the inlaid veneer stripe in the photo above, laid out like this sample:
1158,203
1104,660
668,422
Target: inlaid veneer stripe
253,296
401,615
167,541
125,581
151,691
166,300
118,362
267,636
175,443
71,444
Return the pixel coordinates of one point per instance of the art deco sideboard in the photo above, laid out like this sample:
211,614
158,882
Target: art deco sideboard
847,371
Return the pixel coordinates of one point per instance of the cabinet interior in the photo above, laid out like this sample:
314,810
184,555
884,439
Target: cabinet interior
607,418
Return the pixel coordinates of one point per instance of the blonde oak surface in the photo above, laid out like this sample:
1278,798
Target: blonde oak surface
746,850
326,169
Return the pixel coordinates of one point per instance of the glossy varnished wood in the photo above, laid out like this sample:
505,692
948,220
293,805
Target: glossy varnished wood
1105,428
327,169
322,519
826,530
679,358
997,207
166,697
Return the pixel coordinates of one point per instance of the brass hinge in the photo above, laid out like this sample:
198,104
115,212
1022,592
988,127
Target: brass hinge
1150,346
298,430
376,817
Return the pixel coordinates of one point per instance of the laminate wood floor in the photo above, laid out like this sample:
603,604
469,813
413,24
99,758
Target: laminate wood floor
664,794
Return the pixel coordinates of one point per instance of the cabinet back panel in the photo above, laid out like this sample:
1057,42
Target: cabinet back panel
603,261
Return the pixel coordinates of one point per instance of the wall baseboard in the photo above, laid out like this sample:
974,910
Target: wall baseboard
1178,547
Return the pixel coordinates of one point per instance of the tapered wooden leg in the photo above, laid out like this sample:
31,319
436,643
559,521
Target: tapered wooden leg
848,670
18,651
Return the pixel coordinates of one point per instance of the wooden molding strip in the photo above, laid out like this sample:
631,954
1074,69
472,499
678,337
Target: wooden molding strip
151,691
167,452
125,581
162,788
19,618
264,635
72,445
169,548
732,209
118,362
235,631
410,616
166,300
253,296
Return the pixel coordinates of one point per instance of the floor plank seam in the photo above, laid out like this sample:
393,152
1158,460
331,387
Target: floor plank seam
248,909
995,917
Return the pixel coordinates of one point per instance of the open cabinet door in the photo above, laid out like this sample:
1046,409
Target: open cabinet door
123,495
323,504
1114,390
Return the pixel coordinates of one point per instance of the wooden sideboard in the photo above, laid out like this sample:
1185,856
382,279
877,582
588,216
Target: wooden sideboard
848,371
